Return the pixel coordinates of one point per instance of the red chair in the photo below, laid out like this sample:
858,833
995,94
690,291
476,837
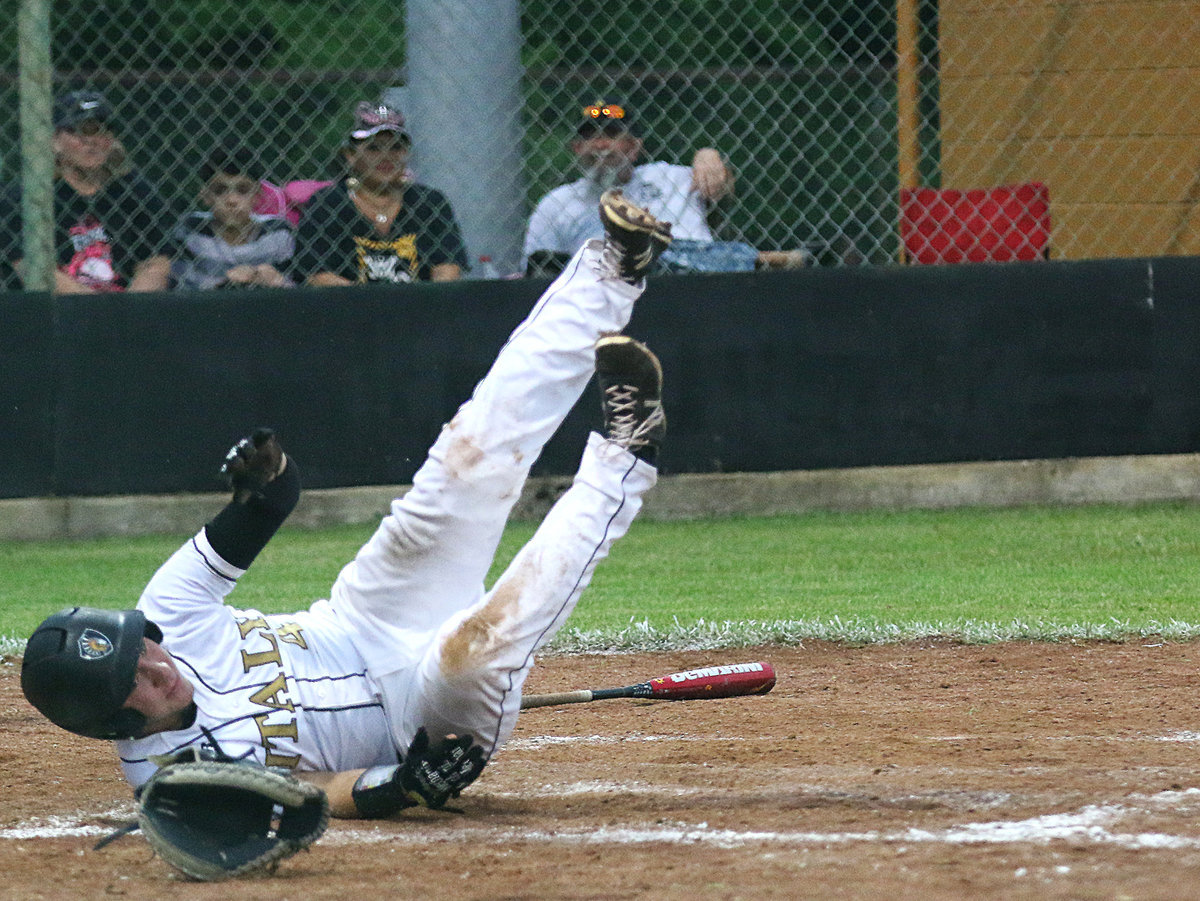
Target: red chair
978,226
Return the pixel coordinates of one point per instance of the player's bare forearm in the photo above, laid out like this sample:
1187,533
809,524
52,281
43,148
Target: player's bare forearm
338,788
428,775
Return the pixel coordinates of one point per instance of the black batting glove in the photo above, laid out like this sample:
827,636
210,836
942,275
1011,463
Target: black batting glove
252,463
430,774
433,773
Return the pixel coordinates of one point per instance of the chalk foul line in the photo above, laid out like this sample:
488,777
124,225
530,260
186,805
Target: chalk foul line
1092,824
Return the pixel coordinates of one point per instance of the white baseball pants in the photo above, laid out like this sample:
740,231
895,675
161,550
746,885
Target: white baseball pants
446,654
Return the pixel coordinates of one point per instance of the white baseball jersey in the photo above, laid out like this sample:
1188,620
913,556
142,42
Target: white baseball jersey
409,637
567,216
292,690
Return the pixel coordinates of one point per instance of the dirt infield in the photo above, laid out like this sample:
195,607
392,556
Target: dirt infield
928,770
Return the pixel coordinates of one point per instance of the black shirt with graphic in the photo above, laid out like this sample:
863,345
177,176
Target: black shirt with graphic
99,240
333,236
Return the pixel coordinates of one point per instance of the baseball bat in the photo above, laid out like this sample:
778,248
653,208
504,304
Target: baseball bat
690,685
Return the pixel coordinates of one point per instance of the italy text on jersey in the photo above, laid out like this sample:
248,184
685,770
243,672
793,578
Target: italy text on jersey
273,697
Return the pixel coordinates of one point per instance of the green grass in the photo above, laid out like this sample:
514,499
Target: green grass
976,575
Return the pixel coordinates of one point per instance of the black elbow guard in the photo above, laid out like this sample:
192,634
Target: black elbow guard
241,530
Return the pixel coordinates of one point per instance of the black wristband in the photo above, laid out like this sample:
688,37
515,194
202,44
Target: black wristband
279,496
377,792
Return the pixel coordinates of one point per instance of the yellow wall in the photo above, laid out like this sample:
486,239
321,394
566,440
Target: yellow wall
1099,100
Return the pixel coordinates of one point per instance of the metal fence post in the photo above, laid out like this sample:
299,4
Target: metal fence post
464,84
37,158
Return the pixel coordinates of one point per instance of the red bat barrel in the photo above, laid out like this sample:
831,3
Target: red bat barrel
712,682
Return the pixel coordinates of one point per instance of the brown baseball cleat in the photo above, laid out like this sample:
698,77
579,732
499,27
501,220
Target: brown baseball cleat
633,238
630,379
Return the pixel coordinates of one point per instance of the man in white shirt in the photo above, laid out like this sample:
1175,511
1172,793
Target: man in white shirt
607,147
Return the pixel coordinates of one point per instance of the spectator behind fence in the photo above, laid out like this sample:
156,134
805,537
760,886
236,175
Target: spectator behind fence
377,224
110,223
227,245
607,146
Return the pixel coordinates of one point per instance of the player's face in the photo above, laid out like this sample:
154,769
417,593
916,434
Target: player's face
160,692
231,198
86,146
380,161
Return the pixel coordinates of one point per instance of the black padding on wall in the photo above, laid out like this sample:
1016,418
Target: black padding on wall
862,367
769,371
27,374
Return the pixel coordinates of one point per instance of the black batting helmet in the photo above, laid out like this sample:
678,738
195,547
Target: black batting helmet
79,669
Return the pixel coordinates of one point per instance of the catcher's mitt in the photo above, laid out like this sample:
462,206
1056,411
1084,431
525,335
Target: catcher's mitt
218,819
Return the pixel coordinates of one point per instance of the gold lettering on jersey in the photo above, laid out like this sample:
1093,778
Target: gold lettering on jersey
246,626
292,634
268,695
269,732
273,695
262,658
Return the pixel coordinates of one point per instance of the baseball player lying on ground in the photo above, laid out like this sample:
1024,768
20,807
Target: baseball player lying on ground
364,693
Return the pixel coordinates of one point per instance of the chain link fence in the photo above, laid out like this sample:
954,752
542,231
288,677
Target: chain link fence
823,109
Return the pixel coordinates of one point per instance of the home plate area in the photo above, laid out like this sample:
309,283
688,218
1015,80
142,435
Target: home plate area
929,769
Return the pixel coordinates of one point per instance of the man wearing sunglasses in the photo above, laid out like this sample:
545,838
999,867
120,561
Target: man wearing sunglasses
607,146
110,223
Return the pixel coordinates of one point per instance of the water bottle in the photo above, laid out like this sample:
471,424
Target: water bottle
487,268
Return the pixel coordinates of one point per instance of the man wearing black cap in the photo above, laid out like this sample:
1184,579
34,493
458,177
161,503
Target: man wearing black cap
607,146
109,222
